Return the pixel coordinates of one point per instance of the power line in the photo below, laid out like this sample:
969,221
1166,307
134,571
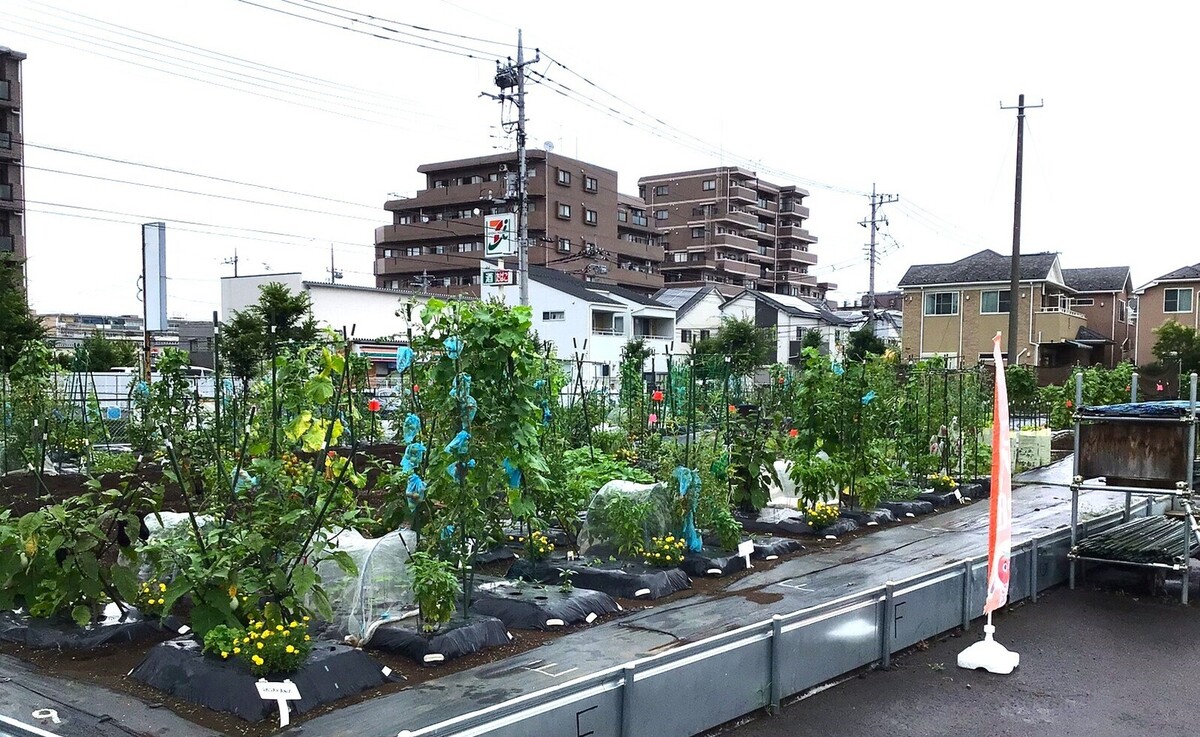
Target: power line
425,29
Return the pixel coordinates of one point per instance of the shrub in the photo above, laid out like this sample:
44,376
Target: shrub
821,515
435,588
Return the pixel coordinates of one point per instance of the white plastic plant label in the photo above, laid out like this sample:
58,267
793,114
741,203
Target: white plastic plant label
281,692
745,549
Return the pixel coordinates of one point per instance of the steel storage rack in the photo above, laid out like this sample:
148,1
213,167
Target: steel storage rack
1145,449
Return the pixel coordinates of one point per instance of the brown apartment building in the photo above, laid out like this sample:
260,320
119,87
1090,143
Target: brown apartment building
578,224
12,188
1171,296
727,228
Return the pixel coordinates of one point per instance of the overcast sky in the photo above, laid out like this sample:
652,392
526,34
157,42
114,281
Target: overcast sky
832,96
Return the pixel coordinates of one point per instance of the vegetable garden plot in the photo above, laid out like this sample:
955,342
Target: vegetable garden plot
540,606
461,636
619,579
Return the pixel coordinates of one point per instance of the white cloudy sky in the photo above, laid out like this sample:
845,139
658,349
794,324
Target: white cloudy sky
833,96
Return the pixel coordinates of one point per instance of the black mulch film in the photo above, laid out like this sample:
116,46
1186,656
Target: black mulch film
461,636
177,667
712,562
840,526
537,606
870,517
914,508
64,634
620,579
769,548
941,499
790,525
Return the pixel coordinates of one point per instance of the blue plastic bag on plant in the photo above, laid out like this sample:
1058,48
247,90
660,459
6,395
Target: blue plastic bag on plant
414,491
539,384
837,369
546,412
244,481
459,443
404,358
412,427
141,389
453,346
868,397
462,387
689,480
453,468
413,455
513,473
447,532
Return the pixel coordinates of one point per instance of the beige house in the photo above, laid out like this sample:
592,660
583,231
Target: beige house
1169,297
954,310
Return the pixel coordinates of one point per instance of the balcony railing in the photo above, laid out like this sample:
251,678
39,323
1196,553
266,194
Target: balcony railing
607,331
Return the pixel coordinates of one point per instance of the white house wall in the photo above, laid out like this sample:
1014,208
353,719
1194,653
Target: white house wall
239,293
705,315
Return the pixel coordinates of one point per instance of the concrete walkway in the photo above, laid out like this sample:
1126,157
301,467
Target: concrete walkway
887,554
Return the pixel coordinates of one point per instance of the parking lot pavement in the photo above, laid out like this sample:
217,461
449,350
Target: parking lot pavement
1093,664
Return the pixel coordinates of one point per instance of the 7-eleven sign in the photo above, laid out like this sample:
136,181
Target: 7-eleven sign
500,235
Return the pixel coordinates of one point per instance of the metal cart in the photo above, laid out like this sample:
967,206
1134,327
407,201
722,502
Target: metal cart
1144,449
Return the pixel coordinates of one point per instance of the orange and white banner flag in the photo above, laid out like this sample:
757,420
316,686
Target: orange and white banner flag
1000,529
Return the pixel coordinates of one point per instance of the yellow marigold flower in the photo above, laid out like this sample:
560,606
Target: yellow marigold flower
307,638
257,660
236,650
266,634
224,654
252,635
162,587
290,649
258,625
162,601
286,633
260,646
305,618
279,627
294,624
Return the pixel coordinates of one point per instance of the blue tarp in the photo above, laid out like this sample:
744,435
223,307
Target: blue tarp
1150,410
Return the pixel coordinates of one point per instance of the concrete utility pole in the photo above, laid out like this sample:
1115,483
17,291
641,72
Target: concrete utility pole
1014,286
513,75
877,201
232,261
334,272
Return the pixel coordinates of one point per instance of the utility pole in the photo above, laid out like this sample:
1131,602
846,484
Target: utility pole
334,272
1014,285
877,200
507,77
423,282
232,261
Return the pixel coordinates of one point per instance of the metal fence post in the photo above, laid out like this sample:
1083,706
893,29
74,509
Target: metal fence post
776,662
1033,569
627,700
966,596
889,621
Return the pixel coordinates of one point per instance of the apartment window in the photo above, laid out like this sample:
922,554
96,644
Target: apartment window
5,93
476,179
622,216
685,336
494,177
941,303
393,284
388,253
403,219
590,184
564,245
464,247
994,302
564,176
698,232
439,250
710,185
413,251
679,257
564,211
590,216
1083,302
554,316
441,183
662,190
6,190
531,172
661,214
1178,300
639,218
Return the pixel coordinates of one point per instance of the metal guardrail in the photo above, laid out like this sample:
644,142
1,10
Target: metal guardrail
702,685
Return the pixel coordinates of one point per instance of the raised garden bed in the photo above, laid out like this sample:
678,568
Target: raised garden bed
619,579
461,636
541,606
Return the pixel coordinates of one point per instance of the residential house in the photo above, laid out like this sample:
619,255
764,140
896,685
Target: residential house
888,324
1102,296
955,309
697,311
592,322
1171,296
790,318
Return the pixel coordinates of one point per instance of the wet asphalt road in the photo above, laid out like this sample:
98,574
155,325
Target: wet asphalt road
1093,664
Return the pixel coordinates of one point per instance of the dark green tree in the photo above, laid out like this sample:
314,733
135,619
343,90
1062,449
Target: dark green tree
812,339
98,353
18,325
1177,347
863,342
747,346
247,340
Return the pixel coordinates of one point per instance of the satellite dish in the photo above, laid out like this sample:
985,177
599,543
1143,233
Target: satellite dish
549,145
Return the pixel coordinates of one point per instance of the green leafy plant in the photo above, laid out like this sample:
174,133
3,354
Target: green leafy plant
565,584
625,519
727,529
435,588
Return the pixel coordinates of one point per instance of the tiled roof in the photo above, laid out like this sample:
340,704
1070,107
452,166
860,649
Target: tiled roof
985,266
1098,279
1186,272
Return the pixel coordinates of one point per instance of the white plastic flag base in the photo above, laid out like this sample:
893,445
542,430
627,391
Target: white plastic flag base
989,655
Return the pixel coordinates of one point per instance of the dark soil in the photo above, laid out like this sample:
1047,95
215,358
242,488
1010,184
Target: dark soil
107,667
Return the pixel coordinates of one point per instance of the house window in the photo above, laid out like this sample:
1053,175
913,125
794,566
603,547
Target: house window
941,303
1083,302
564,176
590,184
662,190
619,324
698,232
554,316
685,336
1120,310
710,185
1178,300
564,211
590,217
531,172
993,302
413,251
564,245
661,214
704,334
